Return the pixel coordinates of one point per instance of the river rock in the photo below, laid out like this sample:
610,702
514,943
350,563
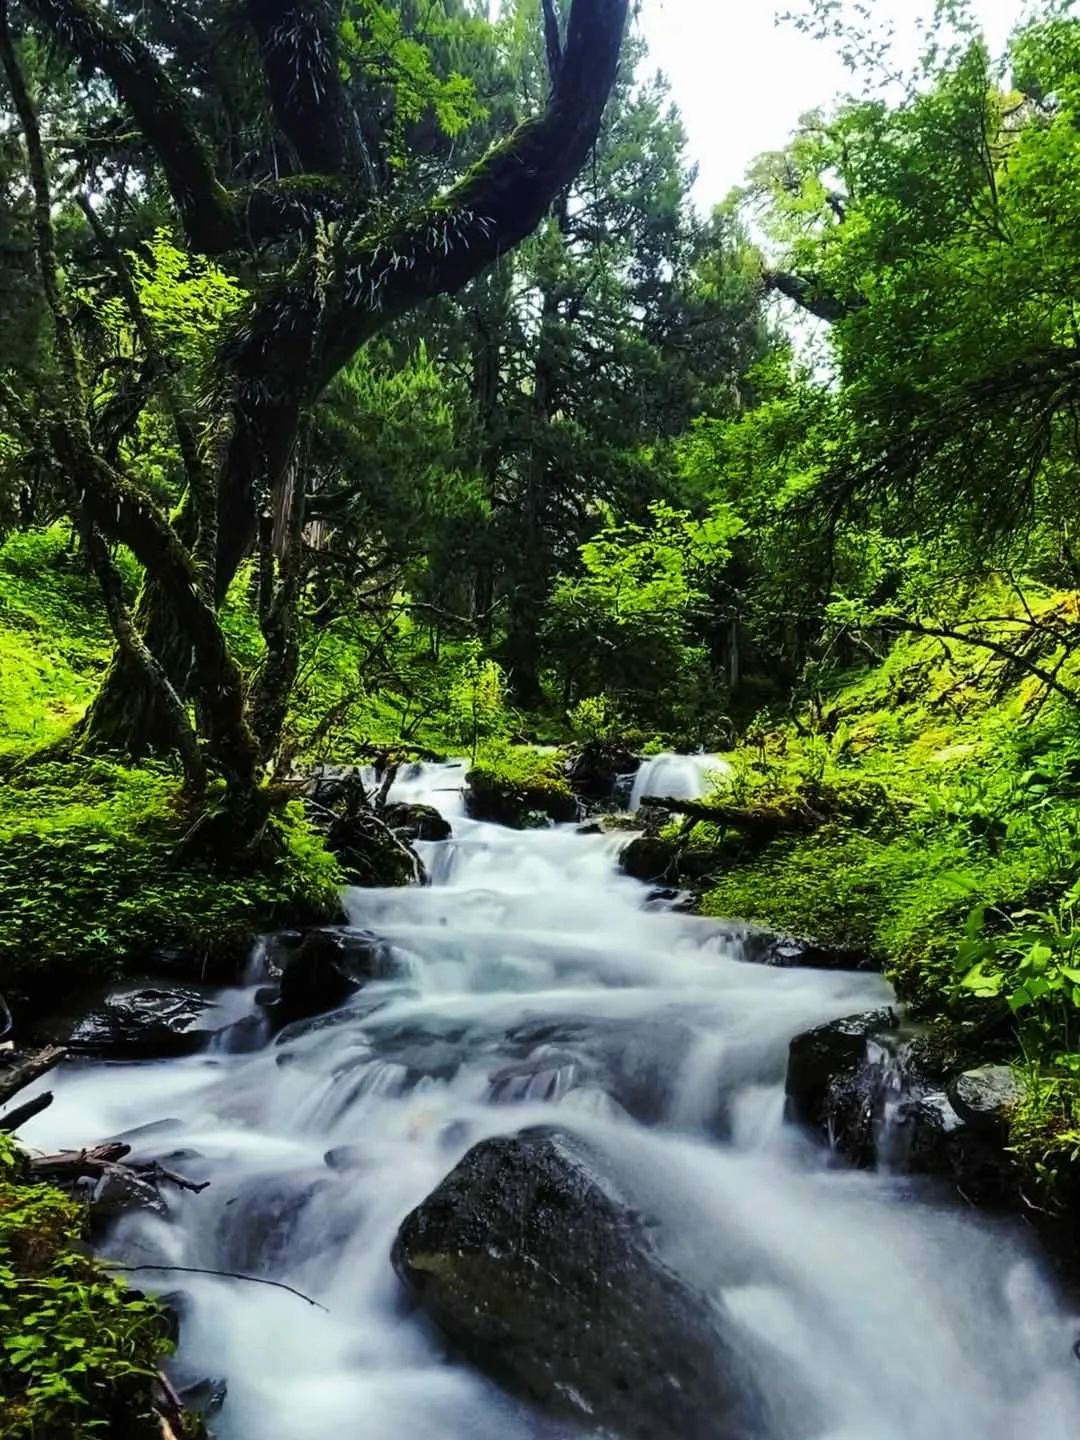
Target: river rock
131,1022
594,770
986,1098
544,1277
649,858
827,1058
328,967
489,797
118,1191
417,822
789,952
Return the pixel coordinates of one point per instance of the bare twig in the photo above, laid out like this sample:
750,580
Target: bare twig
220,1274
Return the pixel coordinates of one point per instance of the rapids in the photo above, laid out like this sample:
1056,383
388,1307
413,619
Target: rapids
537,983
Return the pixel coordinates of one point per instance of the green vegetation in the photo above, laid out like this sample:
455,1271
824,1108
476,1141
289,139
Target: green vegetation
389,426
946,842
79,1351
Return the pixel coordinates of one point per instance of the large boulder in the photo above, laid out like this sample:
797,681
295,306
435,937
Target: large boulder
328,967
594,770
542,1275
517,804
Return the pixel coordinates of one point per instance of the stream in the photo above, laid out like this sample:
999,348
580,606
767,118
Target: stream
534,984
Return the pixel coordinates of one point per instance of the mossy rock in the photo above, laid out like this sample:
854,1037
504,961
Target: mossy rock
508,800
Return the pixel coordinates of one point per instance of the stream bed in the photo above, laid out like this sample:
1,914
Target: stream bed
531,983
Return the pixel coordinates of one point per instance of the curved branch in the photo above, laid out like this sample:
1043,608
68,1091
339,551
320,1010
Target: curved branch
808,293
215,218
495,206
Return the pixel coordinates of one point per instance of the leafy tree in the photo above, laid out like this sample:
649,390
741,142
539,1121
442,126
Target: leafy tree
328,254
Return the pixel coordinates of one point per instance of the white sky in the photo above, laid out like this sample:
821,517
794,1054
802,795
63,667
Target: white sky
741,81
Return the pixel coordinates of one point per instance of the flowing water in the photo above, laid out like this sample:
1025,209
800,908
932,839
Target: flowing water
675,777
536,984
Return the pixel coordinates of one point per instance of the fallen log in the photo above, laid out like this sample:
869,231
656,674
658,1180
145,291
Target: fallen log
12,1119
66,1167
751,819
28,1068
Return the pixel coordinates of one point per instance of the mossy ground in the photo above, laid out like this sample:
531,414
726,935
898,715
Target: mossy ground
950,786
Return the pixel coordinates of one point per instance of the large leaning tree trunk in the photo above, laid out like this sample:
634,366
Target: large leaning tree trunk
346,271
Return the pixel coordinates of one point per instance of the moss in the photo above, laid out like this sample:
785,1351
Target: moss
517,785
79,1349
90,883
54,640
951,787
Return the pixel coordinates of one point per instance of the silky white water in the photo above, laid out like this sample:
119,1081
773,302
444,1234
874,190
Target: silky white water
539,985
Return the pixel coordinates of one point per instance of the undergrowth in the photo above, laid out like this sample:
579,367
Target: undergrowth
966,852
79,1351
90,884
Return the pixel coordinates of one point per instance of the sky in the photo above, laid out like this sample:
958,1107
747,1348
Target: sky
742,82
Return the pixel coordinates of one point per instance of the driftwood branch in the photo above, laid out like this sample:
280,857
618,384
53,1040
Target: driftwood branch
752,820
26,1070
13,1119
68,1166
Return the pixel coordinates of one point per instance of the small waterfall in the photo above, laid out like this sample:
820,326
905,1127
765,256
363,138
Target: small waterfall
679,777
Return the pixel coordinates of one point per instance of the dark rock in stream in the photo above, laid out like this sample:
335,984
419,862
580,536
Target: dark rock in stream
863,1087
547,1279
131,1022
789,952
328,967
596,768
417,822
649,858
826,1057
519,807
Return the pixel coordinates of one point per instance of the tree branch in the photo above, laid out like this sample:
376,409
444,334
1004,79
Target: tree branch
298,42
493,208
215,218
808,294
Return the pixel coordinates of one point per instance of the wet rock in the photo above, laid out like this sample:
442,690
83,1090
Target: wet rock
276,1220
943,1143
985,1098
649,858
132,1022
788,952
825,1060
328,967
519,807
597,766
118,1191
205,1396
548,1280
417,822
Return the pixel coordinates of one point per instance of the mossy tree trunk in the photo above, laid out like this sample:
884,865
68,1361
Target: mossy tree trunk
341,285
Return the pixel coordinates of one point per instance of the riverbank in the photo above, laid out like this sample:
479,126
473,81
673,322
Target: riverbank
928,818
